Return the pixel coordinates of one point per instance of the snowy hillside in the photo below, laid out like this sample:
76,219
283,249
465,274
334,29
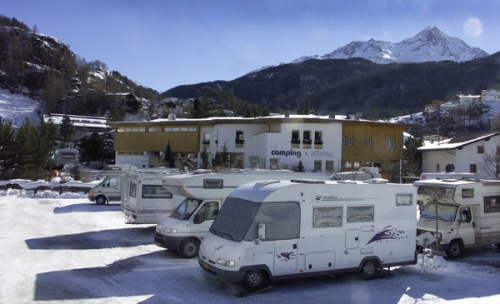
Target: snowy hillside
16,108
431,44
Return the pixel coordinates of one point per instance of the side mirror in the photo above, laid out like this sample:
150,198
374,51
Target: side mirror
262,231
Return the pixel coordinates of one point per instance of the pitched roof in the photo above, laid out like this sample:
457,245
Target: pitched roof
458,142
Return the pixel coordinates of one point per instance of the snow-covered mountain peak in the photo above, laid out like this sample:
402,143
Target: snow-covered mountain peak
431,44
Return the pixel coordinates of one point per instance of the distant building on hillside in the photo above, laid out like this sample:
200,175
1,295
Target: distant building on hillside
468,99
490,95
82,124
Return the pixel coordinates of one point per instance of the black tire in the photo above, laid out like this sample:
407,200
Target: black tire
454,249
255,280
189,248
100,200
370,270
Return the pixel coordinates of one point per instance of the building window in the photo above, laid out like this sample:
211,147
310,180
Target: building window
473,168
349,140
343,140
306,137
274,164
317,165
389,143
318,138
368,164
437,168
480,149
239,138
368,141
206,138
348,164
329,166
356,164
295,137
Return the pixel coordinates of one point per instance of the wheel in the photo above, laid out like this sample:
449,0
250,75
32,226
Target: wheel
189,248
454,249
370,270
100,200
254,280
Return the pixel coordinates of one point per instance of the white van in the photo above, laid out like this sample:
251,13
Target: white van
146,201
276,230
364,173
110,188
204,194
467,212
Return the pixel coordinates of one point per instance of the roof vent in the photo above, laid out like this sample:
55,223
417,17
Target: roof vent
307,181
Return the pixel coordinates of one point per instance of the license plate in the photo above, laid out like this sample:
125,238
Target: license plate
205,265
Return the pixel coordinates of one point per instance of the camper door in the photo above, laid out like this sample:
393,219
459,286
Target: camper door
282,226
465,228
204,218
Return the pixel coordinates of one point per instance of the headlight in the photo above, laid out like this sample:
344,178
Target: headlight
225,263
170,230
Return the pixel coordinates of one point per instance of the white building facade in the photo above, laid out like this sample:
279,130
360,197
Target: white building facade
472,154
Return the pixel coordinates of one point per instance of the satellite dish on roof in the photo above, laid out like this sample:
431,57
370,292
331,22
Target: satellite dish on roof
449,168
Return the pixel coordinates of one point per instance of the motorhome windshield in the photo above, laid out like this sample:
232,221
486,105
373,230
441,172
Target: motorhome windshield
239,220
444,212
185,209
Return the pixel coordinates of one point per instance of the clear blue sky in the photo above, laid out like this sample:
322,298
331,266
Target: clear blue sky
165,43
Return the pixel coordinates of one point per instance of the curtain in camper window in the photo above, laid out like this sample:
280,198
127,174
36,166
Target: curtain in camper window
327,217
360,214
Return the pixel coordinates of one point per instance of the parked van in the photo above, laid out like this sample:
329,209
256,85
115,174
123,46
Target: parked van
145,200
275,230
467,212
110,188
364,173
204,194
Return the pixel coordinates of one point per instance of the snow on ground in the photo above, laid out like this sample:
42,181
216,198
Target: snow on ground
64,249
16,108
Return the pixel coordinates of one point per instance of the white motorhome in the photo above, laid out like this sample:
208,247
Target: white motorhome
464,213
275,230
205,192
146,201
364,173
66,156
110,188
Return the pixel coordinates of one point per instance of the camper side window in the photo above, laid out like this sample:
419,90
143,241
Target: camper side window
155,191
327,217
132,190
491,204
360,214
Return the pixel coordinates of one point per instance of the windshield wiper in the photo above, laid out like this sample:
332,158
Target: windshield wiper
229,237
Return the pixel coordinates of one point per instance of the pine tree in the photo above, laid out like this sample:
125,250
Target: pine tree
204,159
300,167
7,149
224,156
26,141
168,156
66,130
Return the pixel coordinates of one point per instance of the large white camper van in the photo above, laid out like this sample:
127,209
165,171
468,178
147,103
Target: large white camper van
275,230
111,187
465,213
204,194
146,201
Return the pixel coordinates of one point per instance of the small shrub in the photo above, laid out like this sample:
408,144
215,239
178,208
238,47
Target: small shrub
86,176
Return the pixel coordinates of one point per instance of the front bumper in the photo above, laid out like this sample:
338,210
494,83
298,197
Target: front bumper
169,242
224,275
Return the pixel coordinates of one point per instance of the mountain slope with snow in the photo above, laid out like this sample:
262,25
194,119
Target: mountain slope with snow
431,44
